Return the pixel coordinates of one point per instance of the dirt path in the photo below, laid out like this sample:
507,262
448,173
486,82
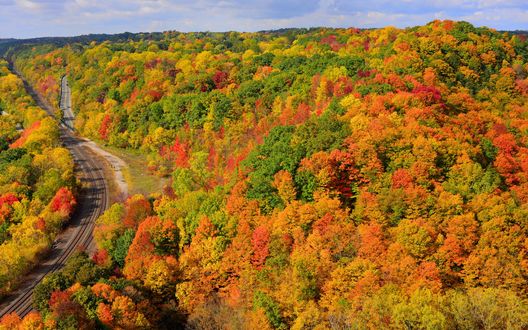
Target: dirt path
117,165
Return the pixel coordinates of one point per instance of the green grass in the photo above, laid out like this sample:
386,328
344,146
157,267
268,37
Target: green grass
138,178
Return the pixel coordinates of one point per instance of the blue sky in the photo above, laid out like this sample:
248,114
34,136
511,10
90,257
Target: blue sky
36,18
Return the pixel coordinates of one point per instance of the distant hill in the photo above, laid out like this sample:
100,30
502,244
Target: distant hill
14,44
6,44
521,33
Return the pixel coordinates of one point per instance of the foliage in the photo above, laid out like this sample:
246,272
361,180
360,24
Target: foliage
322,178
37,184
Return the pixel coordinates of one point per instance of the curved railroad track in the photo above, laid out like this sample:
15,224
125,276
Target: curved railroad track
92,201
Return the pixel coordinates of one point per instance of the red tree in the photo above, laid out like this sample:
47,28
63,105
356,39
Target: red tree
104,129
260,241
63,202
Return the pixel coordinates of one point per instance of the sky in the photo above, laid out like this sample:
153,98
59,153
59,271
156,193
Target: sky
38,18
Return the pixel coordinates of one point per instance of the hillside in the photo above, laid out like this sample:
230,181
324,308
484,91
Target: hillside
317,179
37,181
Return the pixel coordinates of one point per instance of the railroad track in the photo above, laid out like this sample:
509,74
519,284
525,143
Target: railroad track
92,202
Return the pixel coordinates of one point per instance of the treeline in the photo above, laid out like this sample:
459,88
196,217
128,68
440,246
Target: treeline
320,179
36,181
11,46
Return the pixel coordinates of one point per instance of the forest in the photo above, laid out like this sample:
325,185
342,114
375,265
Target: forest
37,182
317,179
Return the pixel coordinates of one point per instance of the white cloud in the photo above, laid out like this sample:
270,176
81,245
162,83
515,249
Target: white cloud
495,17
29,5
74,17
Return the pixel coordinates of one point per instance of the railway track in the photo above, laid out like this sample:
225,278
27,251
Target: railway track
93,200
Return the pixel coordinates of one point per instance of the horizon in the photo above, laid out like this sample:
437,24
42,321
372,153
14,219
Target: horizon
238,31
61,18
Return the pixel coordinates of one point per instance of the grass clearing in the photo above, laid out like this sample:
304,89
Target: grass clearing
138,178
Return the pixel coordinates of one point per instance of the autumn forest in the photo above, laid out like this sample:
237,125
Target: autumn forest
309,179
